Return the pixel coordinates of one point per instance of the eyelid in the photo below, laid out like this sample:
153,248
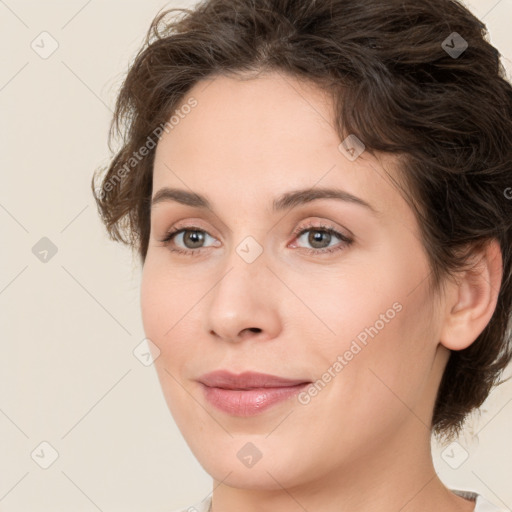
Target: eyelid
190,224
323,225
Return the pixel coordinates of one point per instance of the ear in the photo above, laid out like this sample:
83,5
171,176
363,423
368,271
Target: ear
470,303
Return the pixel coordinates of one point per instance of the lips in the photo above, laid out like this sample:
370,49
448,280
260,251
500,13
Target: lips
248,393
247,380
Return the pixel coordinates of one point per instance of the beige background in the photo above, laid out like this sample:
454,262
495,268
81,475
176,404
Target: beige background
69,326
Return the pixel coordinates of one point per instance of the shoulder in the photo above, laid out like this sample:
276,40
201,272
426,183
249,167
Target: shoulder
202,506
482,504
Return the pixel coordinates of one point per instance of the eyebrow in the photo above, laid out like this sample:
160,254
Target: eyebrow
285,201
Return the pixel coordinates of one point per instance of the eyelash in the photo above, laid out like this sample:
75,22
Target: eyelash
346,241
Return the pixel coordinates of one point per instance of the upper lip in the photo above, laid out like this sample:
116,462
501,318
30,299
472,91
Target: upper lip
246,380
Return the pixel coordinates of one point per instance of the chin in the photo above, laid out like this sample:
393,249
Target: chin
271,469
255,478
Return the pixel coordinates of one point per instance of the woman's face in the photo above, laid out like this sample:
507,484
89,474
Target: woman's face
263,287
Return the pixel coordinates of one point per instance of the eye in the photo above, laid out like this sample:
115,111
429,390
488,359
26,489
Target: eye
320,238
191,237
190,240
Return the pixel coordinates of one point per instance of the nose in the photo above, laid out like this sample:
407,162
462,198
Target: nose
244,304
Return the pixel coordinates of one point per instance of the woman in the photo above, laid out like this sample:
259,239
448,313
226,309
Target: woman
318,195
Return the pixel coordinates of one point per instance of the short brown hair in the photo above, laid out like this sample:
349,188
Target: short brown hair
396,85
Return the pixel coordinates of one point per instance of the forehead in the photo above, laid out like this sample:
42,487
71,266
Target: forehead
249,114
249,138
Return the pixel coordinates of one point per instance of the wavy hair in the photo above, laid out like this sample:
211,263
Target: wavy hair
397,84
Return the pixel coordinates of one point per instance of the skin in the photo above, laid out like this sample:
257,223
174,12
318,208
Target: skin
363,442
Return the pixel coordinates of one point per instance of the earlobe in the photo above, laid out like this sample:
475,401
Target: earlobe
470,303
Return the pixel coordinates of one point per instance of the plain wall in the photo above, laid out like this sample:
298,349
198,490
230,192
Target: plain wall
69,325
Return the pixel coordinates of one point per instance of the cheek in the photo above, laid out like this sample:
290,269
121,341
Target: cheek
382,324
164,307
389,376
164,302
170,317
154,304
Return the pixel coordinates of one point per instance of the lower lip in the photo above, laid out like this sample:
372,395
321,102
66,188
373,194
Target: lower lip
251,401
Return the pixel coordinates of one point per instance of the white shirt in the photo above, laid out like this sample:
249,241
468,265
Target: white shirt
481,504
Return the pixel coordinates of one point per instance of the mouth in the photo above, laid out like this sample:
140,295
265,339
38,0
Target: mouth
248,393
